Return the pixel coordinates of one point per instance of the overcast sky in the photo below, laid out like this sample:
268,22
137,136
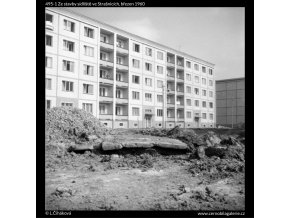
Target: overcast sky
213,34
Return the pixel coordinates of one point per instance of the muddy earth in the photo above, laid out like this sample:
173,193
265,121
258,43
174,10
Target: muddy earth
209,175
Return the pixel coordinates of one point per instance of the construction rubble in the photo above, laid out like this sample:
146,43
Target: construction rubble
207,161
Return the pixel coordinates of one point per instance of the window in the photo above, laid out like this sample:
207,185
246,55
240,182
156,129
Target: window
210,71
188,114
148,97
196,78
204,104
118,110
159,84
88,89
69,26
188,64
148,51
179,88
103,91
159,113
49,18
160,98
89,32
148,67
135,95
118,93
88,107
188,77
136,47
103,109
68,66
188,89
120,124
210,104
188,102
135,111
210,94
89,51
104,56
203,69
135,79
203,92
66,104
88,70
159,55
68,45
104,38
48,84
203,115
48,104
159,69
196,91
196,67
48,40
196,103
203,81
210,83
67,86
148,82
211,116
48,62
119,77
104,74
120,43
136,63
120,60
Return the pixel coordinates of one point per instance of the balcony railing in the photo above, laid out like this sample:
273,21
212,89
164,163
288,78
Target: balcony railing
122,50
106,63
170,64
121,66
169,104
107,98
121,117
106,116
121,100
122,84
107,45
49,25
170,119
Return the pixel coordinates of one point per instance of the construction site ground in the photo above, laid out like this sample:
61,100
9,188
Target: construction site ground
152,178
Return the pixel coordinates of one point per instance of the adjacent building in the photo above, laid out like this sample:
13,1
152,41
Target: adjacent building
124,80
230,102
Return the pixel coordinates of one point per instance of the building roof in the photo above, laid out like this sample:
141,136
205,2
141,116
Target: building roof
171,50
231,79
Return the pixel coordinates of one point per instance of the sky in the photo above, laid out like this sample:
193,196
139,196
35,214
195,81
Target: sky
213,34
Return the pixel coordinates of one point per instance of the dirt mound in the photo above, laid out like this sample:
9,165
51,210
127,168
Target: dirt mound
71,123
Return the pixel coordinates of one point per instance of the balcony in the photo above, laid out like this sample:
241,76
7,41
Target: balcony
106,116
170,77
170,105
105,99
180,119
121,100
170,119
49,25
121,117
122,67
107,46
106,63
170,91
170,65
122,84
122,50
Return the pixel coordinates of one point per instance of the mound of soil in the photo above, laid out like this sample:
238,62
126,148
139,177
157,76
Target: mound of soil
71,123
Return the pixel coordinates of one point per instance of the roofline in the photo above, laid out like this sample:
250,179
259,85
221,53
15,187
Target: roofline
171,50
225,80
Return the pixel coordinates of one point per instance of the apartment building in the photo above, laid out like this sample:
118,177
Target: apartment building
230,101
125,80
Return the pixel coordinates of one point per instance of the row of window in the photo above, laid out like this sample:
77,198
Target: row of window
89,32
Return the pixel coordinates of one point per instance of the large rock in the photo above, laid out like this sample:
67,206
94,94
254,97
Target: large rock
107,145
170,143
137,144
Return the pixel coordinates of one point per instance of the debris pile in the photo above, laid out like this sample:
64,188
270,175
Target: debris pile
66,123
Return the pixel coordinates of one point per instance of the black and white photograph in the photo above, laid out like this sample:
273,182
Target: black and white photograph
145,108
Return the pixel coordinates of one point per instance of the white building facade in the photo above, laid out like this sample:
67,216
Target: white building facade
125,80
